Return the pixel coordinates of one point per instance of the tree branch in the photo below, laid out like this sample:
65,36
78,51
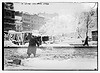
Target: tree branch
89,22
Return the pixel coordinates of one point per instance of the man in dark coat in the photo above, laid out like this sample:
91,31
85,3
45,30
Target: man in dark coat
86,42
33,43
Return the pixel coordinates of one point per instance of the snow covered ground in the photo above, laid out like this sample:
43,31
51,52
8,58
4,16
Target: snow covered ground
54,58
56,44
78,63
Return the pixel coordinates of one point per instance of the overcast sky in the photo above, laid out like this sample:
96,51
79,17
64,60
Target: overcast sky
60,8
66,20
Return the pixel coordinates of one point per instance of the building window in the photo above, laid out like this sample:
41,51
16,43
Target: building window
94,35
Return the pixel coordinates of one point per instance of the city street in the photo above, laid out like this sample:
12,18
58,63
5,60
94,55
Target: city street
53,58
61,36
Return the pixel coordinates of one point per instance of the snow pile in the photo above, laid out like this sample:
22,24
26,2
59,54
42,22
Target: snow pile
55,45
25,45
43,64
21,51
93,43
9,43
55,58
39,50
78,63
72,40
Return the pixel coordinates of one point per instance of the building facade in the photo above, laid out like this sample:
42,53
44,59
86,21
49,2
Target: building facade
18,22
26,21
94,35
31,22
8,16
94,26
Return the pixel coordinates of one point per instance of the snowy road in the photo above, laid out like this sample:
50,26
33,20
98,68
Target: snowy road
54,58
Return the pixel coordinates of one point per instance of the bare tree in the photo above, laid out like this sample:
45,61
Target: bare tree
87,19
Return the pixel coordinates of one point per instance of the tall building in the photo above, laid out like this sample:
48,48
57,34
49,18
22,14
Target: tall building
26,22
8,16
94,30
32,22
18,22
37,22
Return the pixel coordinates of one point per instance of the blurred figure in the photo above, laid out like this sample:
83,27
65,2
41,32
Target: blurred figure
33,43
86,42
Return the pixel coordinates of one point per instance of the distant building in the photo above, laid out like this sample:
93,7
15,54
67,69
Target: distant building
31,22
37,22
18,22
94,35
26,22
47,16
93,27
8,16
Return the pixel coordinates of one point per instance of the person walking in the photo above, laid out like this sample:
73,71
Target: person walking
33,43
86,42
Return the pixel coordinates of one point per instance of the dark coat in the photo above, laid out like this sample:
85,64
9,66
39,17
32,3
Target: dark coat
32,45
86,42
33,41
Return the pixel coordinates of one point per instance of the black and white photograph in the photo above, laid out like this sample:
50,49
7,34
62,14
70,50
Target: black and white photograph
50,36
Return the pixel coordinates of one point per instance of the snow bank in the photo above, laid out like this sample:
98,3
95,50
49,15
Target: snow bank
55,45
9,43
78,63
26,45
22,51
